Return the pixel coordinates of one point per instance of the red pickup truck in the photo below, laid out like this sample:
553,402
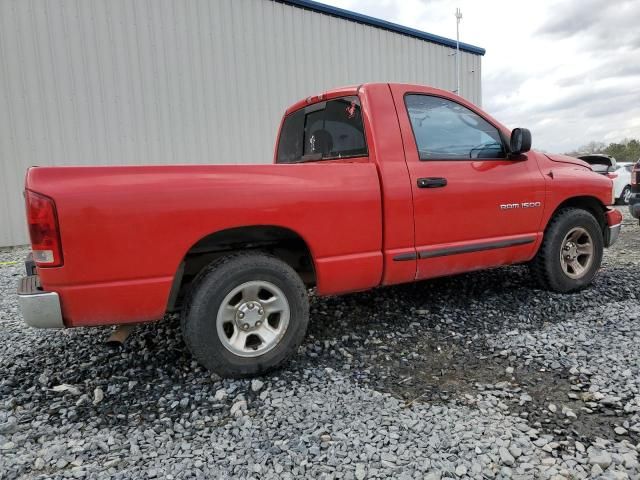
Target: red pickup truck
371,185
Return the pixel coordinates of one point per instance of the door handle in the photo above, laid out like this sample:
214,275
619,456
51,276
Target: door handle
432,182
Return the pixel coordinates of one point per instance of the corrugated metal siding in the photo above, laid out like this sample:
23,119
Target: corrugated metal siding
194,81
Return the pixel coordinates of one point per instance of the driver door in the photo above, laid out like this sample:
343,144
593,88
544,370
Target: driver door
465,188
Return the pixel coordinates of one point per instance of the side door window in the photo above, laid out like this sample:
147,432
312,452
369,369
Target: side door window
323,131
446,130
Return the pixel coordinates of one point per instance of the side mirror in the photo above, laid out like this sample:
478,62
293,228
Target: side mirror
520,141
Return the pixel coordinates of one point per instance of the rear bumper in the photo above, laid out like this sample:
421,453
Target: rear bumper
40,309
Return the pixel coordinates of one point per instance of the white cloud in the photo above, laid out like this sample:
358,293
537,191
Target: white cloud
569,71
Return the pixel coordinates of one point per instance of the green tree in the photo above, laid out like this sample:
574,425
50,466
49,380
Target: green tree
628,150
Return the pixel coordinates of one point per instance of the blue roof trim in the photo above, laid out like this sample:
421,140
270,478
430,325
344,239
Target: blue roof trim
376,22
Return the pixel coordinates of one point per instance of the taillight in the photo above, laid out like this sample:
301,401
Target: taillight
612,175
43,230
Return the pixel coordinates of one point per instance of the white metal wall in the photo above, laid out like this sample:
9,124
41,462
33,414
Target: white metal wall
191,81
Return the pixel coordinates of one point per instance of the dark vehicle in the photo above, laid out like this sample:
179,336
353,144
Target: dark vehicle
634,200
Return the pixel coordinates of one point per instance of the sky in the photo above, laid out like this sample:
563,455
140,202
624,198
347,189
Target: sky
567,70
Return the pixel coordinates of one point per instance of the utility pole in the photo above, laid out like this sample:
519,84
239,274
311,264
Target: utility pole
458,18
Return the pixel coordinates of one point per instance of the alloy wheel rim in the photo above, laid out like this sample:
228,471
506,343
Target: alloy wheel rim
253,318
576,253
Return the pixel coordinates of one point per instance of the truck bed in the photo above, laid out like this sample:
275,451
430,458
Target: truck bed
126,229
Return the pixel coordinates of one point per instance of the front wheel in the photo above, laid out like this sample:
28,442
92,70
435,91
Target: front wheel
571,251
246,314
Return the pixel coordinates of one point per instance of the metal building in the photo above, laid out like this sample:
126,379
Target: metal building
193,81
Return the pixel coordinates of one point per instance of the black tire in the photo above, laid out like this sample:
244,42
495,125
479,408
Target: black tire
206,295
626,191
546,266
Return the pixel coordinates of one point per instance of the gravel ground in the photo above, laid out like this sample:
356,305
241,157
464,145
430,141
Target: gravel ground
477,376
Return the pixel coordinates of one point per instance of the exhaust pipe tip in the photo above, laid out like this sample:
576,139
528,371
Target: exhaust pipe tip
119,335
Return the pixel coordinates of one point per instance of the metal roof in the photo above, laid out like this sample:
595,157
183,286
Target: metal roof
376,22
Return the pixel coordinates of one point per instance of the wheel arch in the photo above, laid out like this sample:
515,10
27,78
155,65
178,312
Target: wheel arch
591,204
281,242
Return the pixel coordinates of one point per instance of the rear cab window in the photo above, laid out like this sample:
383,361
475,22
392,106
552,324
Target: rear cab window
328,130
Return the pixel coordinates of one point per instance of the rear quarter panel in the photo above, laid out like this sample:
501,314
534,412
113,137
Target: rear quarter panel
125,230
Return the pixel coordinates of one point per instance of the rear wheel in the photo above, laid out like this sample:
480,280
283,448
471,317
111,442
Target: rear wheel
625,196
246,314
571,251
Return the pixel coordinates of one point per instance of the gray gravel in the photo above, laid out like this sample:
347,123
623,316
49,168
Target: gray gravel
477,376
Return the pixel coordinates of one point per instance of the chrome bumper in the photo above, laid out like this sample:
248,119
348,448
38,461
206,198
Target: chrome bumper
40,309
612,237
